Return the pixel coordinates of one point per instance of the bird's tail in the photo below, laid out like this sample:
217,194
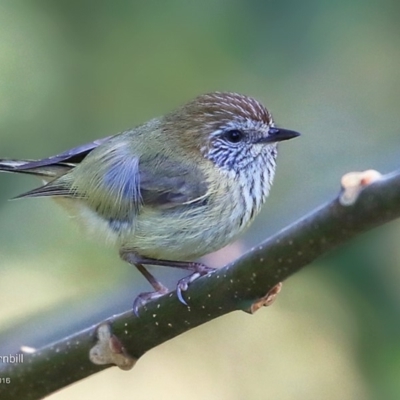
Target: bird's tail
20,166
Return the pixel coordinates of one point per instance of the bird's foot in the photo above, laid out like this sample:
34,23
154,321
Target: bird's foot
143,298
198,271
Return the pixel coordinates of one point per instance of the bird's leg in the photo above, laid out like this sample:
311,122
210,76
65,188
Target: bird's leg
198,270
159,289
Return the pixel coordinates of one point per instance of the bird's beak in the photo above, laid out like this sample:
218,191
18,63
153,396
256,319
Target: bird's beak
278,135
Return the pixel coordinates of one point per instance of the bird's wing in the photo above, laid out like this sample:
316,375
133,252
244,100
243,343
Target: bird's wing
167,183
116,182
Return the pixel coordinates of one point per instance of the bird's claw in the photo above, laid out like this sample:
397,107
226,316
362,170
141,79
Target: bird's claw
143,298
184,283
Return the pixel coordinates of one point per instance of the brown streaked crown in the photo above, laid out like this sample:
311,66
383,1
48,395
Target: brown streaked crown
226,105
210,111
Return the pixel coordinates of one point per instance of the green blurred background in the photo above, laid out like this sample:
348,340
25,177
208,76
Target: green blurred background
72,71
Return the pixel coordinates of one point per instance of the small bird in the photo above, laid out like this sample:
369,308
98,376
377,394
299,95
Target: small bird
171,190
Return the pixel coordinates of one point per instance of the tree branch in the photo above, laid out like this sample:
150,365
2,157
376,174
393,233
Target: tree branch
234,287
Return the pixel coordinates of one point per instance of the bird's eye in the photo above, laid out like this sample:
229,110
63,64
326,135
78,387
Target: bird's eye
234,135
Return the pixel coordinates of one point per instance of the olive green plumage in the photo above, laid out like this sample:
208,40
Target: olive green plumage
175,188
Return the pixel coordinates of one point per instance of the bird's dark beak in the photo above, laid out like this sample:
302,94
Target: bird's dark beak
278,135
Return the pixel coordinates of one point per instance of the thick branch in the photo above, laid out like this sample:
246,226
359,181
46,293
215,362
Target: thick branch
234,287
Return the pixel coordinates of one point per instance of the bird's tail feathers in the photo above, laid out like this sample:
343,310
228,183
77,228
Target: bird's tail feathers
19,166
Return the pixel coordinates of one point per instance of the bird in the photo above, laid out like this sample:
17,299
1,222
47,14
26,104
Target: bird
171,190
